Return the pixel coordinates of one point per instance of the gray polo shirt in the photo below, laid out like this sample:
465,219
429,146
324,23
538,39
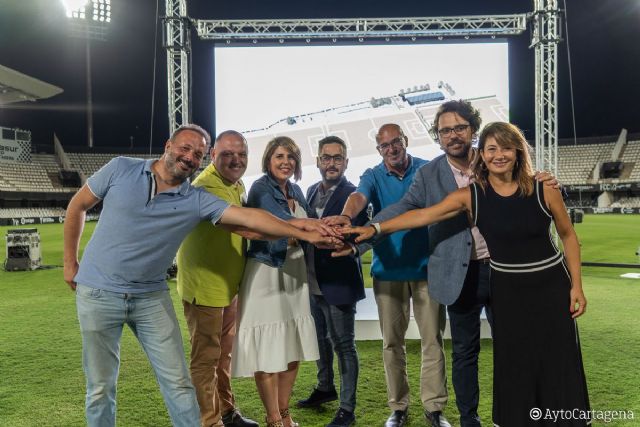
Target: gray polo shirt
139,233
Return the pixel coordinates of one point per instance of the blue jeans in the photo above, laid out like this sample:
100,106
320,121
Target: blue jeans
464,320
335,330
151,317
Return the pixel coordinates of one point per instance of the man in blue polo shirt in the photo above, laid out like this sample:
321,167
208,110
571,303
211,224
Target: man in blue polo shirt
399,270
149,206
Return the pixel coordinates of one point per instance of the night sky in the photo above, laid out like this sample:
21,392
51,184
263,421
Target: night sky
604,40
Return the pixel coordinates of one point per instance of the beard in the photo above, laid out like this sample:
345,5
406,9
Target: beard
175,170
334,178
461,153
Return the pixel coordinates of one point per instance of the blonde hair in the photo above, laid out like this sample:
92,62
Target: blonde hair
506,135
289,145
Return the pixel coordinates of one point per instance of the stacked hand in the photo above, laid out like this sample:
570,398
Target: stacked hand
321,235
362,233
337,221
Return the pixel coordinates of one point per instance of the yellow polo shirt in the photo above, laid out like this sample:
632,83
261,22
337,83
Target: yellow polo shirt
210,259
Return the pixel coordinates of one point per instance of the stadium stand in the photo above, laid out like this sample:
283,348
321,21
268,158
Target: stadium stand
31,212
626,202
632,155
28,177
576,163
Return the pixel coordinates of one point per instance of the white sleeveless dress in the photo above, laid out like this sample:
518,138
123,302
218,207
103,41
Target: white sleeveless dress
274,323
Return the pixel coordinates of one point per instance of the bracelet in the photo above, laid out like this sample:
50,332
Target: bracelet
376,227
354,249
350,219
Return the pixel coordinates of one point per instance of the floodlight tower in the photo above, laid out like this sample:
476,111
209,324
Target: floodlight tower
89,21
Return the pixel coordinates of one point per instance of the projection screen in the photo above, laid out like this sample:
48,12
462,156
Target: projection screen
307,92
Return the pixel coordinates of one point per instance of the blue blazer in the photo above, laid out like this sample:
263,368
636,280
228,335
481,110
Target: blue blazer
340,279
450,241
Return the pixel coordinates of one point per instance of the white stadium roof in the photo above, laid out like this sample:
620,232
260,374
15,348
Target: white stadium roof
18,87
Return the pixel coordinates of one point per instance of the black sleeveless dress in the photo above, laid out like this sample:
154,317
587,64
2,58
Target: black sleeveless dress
536,350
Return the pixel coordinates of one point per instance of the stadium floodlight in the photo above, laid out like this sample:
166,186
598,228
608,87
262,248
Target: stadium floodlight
94,10
75,8
101,10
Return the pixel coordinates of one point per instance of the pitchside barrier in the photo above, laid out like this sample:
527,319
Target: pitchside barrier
40,220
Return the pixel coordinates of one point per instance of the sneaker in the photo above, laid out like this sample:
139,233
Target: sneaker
234,418
342,418
317,398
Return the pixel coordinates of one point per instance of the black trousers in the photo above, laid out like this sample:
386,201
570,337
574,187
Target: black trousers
464,320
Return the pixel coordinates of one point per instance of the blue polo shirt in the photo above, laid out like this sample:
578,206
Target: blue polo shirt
403,255
139,233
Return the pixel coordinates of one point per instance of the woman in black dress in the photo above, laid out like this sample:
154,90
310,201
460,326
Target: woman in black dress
536,292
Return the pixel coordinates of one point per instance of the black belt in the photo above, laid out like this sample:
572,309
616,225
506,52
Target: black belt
482,261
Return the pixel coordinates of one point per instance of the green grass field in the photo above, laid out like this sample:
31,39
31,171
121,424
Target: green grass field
40,348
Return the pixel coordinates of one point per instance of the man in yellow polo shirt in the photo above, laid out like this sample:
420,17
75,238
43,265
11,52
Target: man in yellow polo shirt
210,268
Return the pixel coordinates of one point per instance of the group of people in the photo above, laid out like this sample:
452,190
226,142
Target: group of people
276,278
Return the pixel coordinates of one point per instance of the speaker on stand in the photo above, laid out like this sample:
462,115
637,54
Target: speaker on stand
23,249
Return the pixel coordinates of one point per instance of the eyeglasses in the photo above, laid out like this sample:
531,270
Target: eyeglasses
326,159
396,142
458,129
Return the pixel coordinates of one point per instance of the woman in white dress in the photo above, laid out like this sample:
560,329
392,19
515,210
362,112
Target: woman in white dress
275,326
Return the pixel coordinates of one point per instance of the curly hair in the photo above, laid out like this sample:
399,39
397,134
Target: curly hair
461,107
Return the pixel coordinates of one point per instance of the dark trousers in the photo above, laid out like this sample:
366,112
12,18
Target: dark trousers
335,327
464,320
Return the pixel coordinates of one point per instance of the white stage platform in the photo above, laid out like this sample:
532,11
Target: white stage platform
368,327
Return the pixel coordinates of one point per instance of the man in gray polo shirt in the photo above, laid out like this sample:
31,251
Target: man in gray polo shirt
148,208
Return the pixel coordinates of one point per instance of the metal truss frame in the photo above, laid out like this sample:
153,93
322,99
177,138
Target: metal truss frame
545,36
301,29
177,42
545,21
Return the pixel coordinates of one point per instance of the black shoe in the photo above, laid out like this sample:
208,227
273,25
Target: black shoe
397,418
317,398
342,418
234,418
470,421
436,419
